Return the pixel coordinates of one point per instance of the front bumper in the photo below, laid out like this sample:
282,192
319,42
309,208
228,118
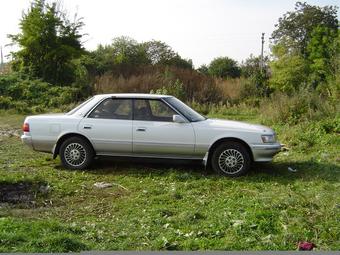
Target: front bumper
27,139
265,152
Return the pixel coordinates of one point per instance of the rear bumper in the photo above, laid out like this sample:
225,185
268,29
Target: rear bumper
265,152
27,139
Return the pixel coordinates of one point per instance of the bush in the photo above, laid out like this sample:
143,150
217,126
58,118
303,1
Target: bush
5,102
24,95
302,106
21,107
331,125
224,109
174,88
309,135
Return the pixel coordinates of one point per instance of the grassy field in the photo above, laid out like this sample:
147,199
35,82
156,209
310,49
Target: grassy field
171,205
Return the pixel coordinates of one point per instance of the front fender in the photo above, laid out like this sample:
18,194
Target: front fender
220,140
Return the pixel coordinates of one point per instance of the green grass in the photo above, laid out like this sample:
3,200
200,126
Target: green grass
10,119
169,205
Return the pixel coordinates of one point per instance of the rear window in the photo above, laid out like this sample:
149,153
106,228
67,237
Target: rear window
79,106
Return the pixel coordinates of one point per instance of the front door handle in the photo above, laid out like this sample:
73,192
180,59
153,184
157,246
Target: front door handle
141,129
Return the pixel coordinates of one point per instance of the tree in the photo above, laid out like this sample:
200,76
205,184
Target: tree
336,64
128,51
322,50
159,53
294,29
224,67
179,62
203,69
289,71
257,75
303,47
252,65
127,55
48,43
122,57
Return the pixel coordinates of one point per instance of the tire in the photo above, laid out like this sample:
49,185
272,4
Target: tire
231,159
76,153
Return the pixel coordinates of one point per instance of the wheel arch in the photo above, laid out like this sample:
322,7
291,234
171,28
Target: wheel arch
62,138
229,139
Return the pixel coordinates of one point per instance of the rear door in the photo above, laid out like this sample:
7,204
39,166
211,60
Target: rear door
109,126
155,133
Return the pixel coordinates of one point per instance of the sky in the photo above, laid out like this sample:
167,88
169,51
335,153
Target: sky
200,30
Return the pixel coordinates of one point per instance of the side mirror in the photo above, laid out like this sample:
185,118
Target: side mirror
178,119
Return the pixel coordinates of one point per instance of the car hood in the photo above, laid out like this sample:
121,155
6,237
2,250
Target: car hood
237,125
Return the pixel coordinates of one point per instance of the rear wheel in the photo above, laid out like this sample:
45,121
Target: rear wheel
231,159
76,153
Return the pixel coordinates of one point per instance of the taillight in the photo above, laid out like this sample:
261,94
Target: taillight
26,127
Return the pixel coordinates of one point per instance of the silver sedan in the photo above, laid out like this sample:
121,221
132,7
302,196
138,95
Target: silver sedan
148,126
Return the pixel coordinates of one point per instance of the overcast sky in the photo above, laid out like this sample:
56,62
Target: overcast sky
197,29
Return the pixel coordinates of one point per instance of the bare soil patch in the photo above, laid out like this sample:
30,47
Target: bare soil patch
10,132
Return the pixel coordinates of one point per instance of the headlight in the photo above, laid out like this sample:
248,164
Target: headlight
268,138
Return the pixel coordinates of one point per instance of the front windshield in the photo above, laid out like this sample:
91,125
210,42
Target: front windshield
184,109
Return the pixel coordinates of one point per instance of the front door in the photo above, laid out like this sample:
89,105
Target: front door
109,126
154,132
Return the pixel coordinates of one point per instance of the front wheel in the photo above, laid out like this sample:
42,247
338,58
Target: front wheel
231,159
76,153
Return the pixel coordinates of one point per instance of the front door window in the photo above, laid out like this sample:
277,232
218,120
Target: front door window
152,110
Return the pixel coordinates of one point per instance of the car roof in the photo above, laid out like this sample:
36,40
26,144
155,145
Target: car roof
133,95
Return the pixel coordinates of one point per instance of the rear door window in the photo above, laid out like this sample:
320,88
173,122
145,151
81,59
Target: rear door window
113,108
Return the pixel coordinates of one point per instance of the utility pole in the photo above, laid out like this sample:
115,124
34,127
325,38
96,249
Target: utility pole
2,57
262,61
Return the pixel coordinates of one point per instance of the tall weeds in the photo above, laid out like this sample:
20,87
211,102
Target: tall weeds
196,87
231,88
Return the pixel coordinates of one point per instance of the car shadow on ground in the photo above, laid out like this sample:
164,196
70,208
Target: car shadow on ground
144,165
260,172
22,193
286,172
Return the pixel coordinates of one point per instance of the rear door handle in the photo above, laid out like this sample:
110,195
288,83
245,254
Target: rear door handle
141,129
